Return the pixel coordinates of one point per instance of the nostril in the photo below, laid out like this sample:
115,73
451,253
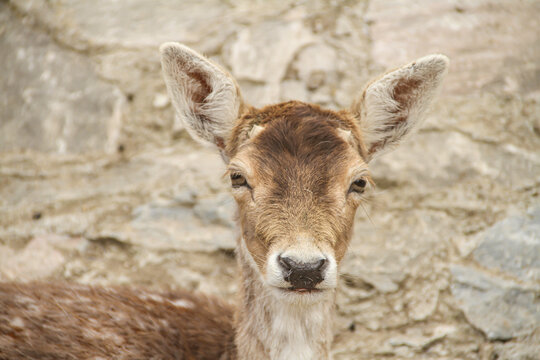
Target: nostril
285,262
320,264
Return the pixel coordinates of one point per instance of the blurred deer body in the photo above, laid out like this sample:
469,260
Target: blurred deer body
71,321
298,172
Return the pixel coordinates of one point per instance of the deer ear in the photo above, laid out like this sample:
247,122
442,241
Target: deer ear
205,97
393,106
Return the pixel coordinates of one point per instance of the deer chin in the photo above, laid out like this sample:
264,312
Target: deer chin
302,296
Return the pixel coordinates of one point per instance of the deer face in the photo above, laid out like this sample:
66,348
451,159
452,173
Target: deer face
298,179
297,172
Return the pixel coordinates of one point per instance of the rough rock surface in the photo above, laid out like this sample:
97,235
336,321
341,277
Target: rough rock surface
503,306
513,246
52,99
98,177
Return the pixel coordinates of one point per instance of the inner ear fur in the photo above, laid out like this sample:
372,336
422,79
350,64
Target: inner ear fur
393,106
205,97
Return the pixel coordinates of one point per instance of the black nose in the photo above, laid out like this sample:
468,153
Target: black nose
302,275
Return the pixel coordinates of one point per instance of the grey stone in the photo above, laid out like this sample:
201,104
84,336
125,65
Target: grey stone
259,94
168,225
422,302
186,197
381,282
322,96
516,351
51,99
513,246
316,65
502,309
420,342
293,90
104,23
161,101
38,260
66,243
219,210
463,159
252,55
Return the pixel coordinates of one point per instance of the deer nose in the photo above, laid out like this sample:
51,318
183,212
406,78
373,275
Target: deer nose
302,275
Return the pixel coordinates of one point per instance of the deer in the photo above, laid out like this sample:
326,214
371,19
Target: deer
298,173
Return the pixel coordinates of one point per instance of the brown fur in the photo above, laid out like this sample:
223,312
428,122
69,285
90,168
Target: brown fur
69,321
293,110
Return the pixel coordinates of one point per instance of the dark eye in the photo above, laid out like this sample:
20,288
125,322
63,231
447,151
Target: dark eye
358,186
238,180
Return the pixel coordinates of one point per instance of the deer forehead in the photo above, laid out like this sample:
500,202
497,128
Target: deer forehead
296,144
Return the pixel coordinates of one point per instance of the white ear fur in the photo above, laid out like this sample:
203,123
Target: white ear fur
255,130
204,96
393,106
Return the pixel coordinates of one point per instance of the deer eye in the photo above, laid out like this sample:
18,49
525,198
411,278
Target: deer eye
358,186
238,180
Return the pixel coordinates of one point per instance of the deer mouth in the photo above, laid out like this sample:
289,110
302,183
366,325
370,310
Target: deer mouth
303,290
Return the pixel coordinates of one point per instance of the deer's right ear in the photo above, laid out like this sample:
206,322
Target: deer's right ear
205,97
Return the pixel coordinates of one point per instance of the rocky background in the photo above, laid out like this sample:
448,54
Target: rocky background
99,184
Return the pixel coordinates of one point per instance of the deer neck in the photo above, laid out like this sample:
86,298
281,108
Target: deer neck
268,327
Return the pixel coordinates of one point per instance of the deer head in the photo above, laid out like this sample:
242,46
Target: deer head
298,172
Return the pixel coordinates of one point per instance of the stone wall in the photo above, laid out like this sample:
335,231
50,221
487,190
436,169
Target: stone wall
99,184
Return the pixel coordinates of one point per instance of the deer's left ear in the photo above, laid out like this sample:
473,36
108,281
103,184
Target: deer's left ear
393,106
205,96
